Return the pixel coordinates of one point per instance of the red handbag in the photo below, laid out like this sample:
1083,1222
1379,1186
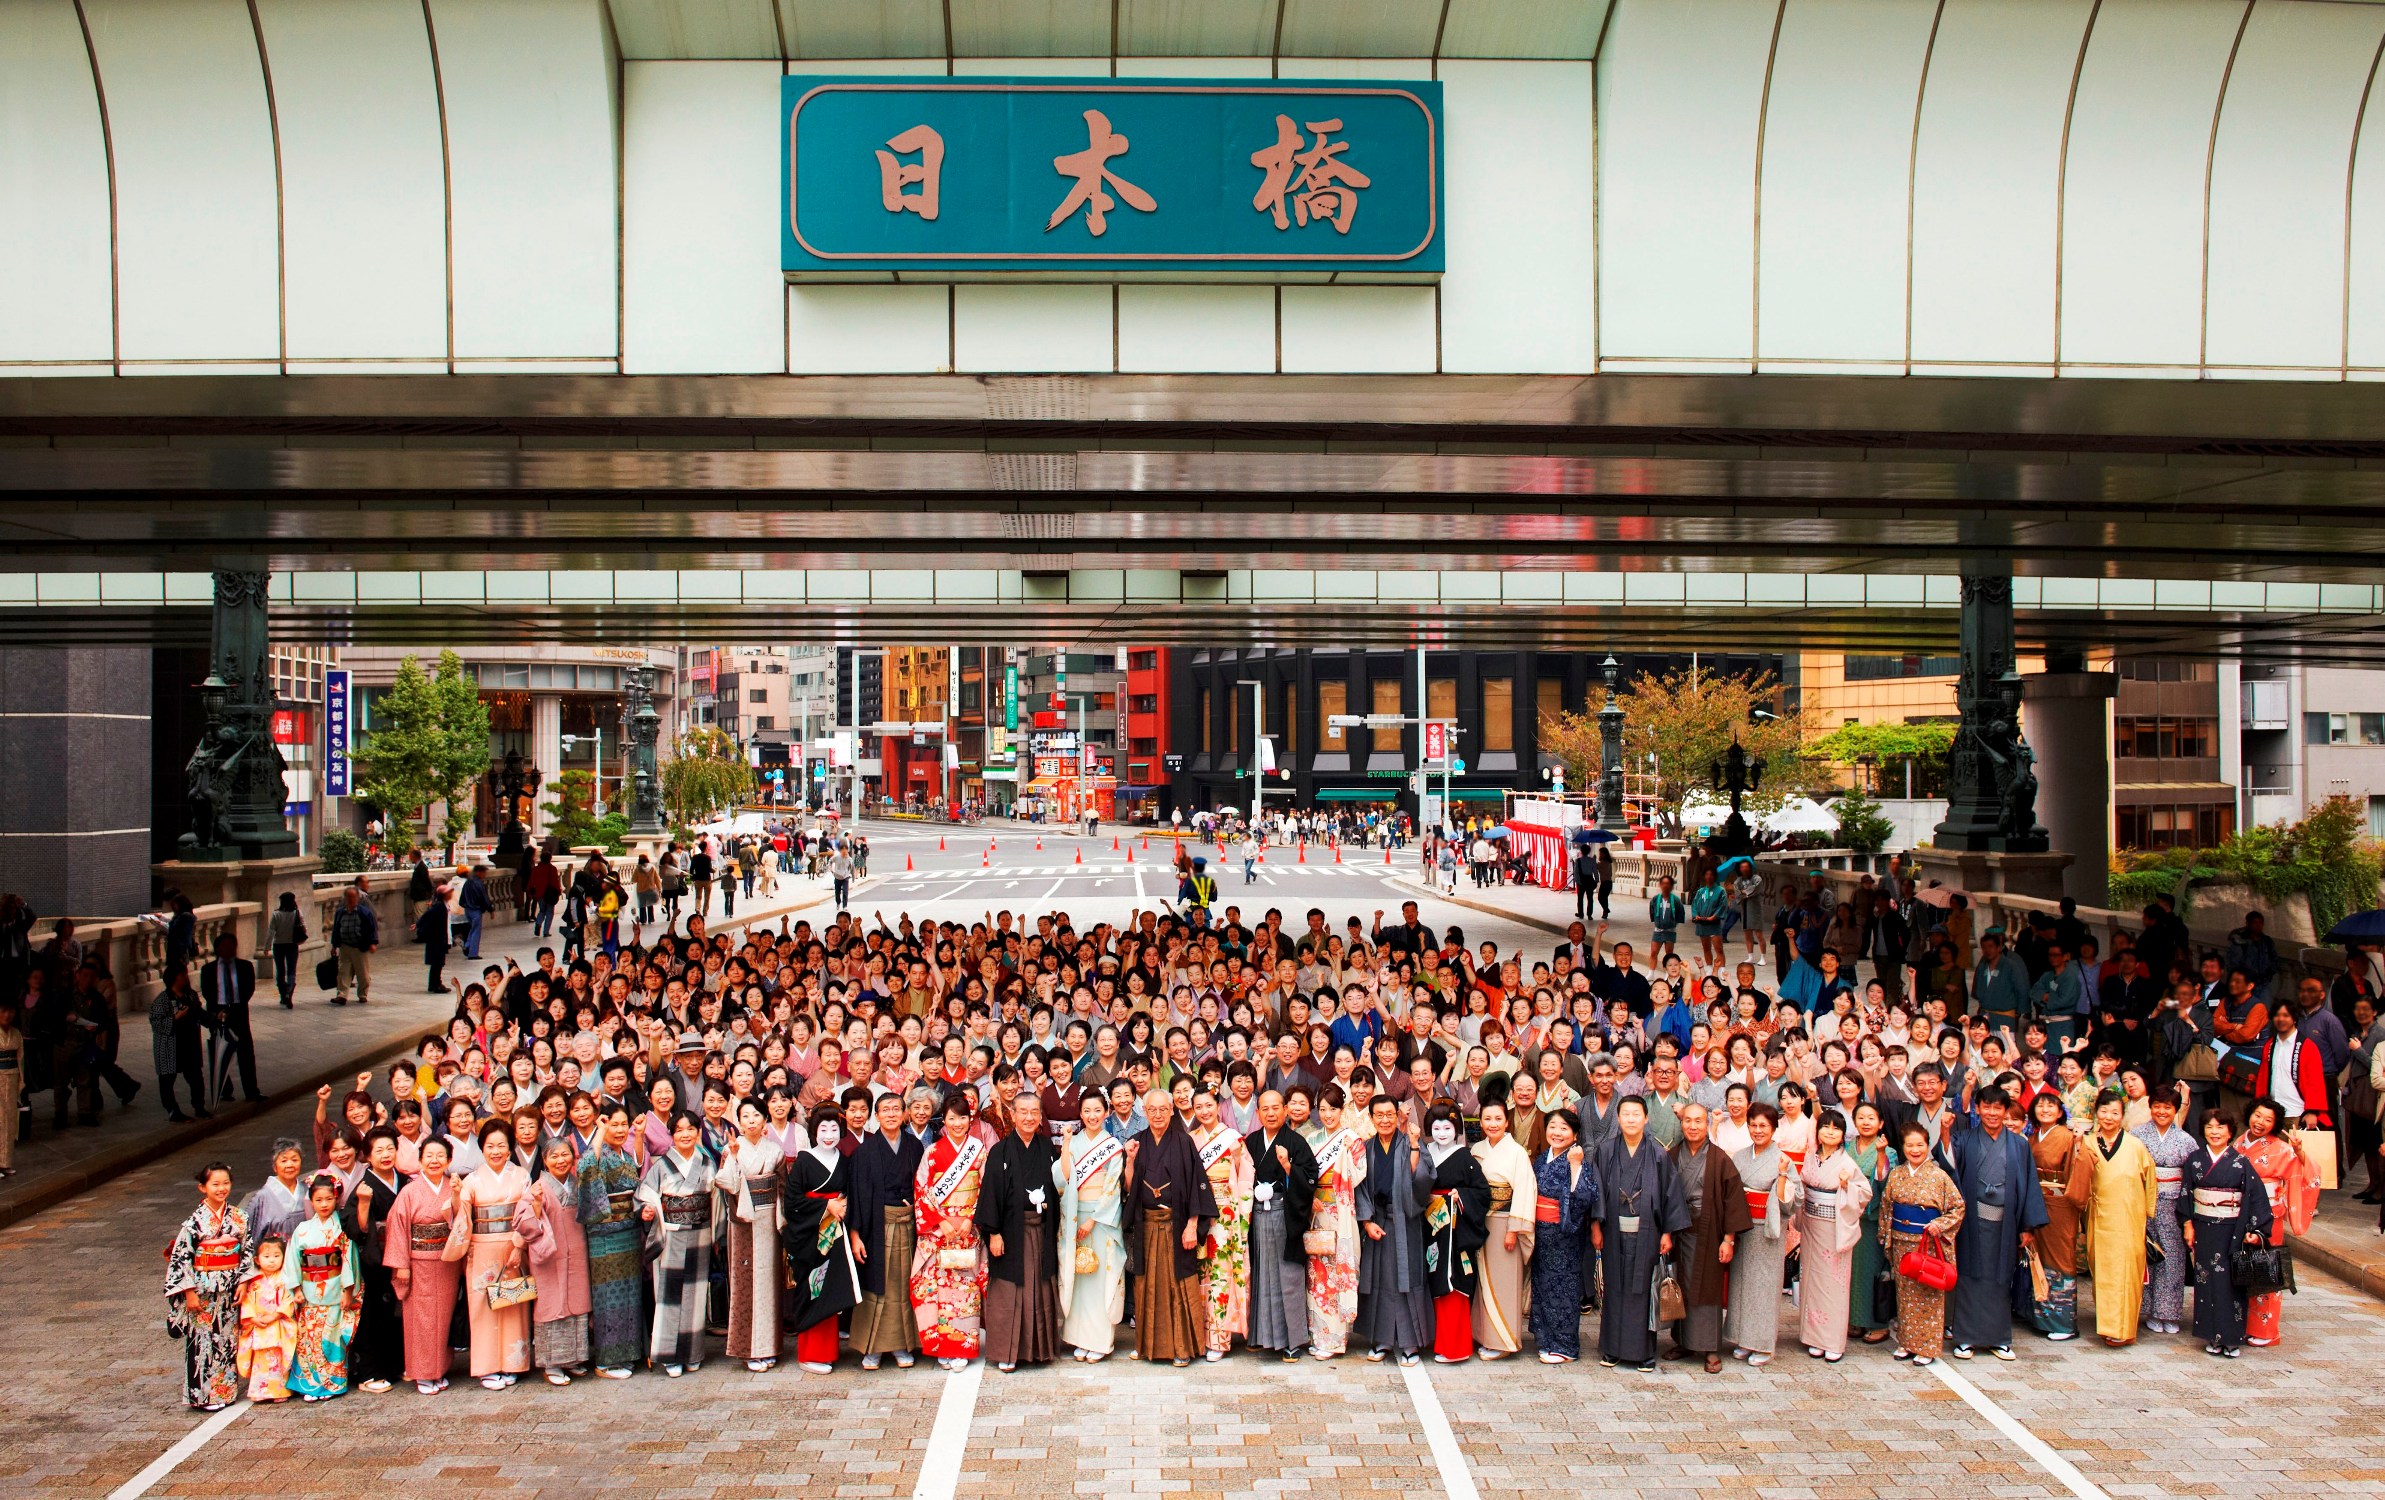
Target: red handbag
1927,1264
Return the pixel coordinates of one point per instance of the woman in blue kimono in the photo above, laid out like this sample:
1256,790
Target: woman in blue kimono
1568,1202
2222,1206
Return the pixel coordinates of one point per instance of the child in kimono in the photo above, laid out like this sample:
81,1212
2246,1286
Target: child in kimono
268,1325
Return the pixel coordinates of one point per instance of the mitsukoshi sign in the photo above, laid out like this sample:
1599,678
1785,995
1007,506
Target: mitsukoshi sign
1110,179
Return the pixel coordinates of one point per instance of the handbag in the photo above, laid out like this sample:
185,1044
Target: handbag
2261,1268
2154,1253
2199,1065
1927,1264
509,1291
1319,1241
956,1258
2240,1070
1671,1306
2039,1288
2318,1153
1884,1297
1088,1260
327,974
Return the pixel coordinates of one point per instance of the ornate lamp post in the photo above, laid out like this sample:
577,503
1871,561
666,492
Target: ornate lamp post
1610,753
1735,775
514,837
645,726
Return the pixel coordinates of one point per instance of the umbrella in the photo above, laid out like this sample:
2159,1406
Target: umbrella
1935,894
1801,815
1592,836
1496,831
2359,927
1734,862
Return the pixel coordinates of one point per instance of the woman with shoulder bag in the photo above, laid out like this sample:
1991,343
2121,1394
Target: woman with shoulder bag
1921,1210
286,934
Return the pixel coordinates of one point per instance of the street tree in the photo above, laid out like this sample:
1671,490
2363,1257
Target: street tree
429,744
705,776
1678,725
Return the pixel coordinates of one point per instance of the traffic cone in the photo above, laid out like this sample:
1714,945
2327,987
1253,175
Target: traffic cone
1080,855
907,863
1303,859
1387,854
1337,854
1146,841
1130,854
1039,846
1113,843
939,843
987,858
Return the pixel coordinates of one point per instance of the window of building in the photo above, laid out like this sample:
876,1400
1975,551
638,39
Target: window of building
1551,697
1440,698
969,696
1142,661
1208,725
2150,826
2166,671
1143,703
2376,817
1143,747
1333,701
757,695
1234,721
1880,668
763,721
1498,713
1289,722
2150,736
902,697
1386,701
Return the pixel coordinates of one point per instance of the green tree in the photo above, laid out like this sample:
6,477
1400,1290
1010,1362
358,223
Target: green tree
429,744
342,852
705,776
1891,746
571,816
1862,825
1686,721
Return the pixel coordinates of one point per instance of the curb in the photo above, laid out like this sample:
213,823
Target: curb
1488,910
2367,1278
57,1187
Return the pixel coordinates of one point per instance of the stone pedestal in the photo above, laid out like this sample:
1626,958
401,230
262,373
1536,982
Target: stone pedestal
2038,875
2066,718
259,880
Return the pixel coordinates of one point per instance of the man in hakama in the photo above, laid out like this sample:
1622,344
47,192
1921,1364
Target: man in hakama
2003,1210
1018,1212
882,1236
1642,1209
1395,1304
1283,1195
1169,1207
1718,1215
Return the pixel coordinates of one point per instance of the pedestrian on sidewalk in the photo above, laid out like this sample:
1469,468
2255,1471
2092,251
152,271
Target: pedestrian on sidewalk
175,1048
544,886
355,933
227,985
840,870
431,929
476,905
285,934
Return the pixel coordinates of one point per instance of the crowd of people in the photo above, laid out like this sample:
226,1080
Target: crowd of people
866,1142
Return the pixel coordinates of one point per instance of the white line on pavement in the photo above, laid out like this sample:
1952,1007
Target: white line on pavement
1447,1456
948,1440
2029,1442
170,1460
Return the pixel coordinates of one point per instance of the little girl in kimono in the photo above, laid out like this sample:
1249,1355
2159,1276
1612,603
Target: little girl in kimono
268,1325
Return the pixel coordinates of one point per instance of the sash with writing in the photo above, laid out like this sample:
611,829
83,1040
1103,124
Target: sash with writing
1219,1144
1097,1156
945,1186
1331,1148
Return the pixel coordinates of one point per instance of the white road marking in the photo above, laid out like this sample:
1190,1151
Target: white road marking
1456,1482
2028,1442
948,1440
170,1460
1137,871
1012,885
1054,891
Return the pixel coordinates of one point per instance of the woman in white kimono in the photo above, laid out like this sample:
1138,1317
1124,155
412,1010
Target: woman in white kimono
1091,1176
747,1181
1751,1324
1837,1195
1515,1207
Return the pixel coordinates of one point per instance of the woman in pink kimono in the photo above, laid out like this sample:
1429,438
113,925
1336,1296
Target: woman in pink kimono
1333,1274
415,1250
1837,1192
1226,1256
558,1250
485,1238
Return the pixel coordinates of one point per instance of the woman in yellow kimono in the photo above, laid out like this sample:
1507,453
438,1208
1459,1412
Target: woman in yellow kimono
1499,1312
2123,1201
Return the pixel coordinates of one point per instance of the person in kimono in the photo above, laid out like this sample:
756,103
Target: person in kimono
1641,1208
321,1273
747,1181
2293,1196
1018,1213
279,1206
881,1235
1751,1323
2003,1209
1702,1253
1873,1153
1092,1233
1168,1209
1225,1254
203,1267
1920,1207
2223,1208
1333,1270
1837,1197
2125,1197
675,1203
2066,1176
1499,1298
605,1198
268,1324
377,1355
1282,1195
1457,1219
2170,1148
948,1268
415,1250
1565,1205
556,1248
815,1204
486,1240
1395,1299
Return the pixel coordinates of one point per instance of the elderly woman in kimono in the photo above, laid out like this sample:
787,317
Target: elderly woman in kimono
280,1205
1751,1324
1225,1254
2066,1176
1641,1207
2293,1197
605,1184
1920,1206
558,1250
486,1240
415,1250
1515,1195
203,1290
675,1201
2170,1148
1566,1204
1092,1233
1395,1300
1837,1196
2125,1197
747,1181
1332,1238
2224,1209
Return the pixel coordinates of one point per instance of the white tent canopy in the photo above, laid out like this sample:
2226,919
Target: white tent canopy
1801,815
1704,812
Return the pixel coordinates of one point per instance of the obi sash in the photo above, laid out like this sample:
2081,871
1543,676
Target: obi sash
1502,1194
218,1254
1438,1213
2053,1187
8,1061
492,1218
945,1186
1097,1156
687,1210
1547,1210
2168,1179
2218,1203
322,1262
1821,1203
1759,1202
1912,1218
763,1187
619,1205
426,1236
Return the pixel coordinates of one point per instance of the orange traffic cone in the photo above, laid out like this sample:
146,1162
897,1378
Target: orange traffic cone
1303,859
1113,843
1130,854
1146,841
939,843
1080,856
987,858
907,862
1337,854
1387,854
1039,846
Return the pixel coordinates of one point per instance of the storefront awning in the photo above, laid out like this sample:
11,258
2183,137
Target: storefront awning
1135,793
1477,794
1389,792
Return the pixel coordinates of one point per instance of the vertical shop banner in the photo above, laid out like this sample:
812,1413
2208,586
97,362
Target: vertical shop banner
335,732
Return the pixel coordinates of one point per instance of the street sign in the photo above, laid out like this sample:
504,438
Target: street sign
335,732
1385,721
1345,721
1173,762
1436,742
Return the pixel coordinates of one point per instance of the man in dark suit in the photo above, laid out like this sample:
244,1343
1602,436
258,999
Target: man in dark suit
226,986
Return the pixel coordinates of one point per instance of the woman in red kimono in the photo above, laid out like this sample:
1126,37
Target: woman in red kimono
948,1270
425,1281
2293,1197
